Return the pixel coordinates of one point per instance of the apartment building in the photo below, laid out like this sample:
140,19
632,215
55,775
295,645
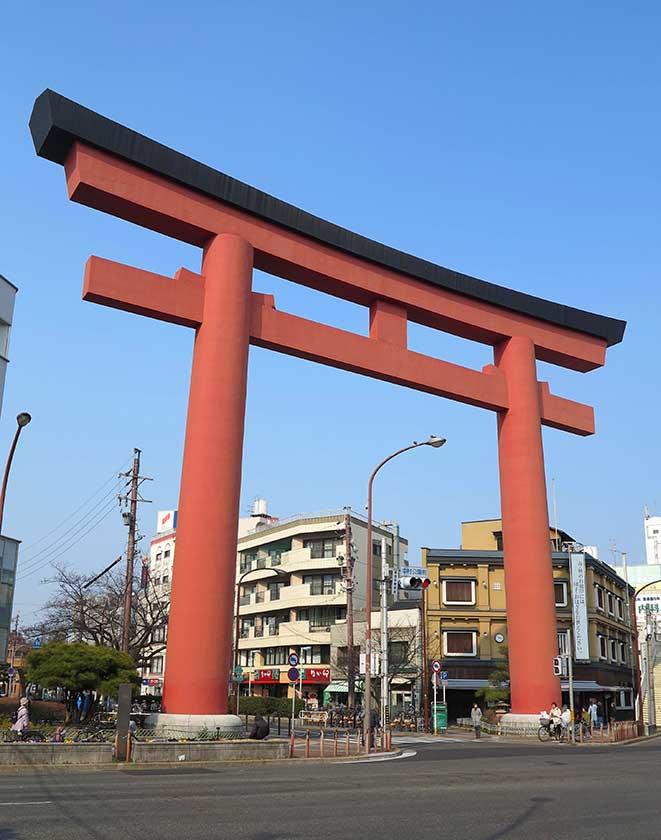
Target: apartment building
467,619
298,609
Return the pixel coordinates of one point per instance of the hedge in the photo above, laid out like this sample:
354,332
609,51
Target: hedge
40,710
274,706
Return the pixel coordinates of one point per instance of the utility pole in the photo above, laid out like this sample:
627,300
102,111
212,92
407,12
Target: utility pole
348,582
385,573
12,679
130,519
651,656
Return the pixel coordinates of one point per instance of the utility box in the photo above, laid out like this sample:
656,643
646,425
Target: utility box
441,717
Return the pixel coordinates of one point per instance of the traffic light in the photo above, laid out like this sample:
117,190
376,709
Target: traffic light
413,582
559,666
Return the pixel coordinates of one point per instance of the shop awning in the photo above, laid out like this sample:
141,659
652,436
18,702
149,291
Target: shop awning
337,687
466,685
591,685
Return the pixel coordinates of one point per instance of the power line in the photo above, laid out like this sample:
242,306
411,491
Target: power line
110,480
51,558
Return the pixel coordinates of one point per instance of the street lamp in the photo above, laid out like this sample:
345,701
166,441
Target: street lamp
21,421
278,573
436,442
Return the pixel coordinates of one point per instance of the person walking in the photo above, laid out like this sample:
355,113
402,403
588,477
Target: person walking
476,719
594,715
22,721
375,723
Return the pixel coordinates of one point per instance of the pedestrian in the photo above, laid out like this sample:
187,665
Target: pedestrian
375,723
476,719
260,728
22,721
593,712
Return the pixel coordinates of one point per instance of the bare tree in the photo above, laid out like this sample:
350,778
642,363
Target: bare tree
94,614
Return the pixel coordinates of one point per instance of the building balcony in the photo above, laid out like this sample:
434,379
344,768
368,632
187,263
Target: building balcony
291,597
288,633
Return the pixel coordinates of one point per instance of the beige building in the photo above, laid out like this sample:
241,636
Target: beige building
467,620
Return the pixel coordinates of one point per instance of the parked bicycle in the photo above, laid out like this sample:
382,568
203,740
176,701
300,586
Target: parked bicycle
11,736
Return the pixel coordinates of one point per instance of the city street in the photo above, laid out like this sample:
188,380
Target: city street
478,790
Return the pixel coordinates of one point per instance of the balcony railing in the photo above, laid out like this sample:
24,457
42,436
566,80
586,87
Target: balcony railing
261,563
274,630
259,597
244,600
320,626
259,631
322,589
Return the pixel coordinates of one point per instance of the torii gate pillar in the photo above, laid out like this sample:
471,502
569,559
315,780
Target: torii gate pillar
531,620
203,592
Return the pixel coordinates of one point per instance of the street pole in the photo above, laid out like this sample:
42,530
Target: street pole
348,580
633,655
570,669
12,679
651,655
384,630
435,718
21,421
369,583
425,663
130,551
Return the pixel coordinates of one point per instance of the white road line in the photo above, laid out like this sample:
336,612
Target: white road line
405,754
14,804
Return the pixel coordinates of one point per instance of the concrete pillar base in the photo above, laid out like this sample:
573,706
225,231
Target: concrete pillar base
193,726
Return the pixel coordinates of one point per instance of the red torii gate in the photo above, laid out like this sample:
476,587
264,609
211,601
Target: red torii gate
113,169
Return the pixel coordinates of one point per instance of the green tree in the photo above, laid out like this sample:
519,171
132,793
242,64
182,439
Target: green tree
499,681
78,667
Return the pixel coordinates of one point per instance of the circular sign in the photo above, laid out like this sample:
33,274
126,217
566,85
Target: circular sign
436,666
293,675
499,638
293,659
10,671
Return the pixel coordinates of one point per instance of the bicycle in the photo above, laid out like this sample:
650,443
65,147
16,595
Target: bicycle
11,736
546,732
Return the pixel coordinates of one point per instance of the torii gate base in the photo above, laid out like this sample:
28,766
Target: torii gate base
118,171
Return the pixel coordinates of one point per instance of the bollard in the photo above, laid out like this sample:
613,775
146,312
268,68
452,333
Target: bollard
580,734
388,741
279,724
128,746
292,744
357,744
335,745
601,728
307,744
321,743
348,743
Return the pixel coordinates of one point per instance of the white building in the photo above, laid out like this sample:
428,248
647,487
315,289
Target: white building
652,539
291,612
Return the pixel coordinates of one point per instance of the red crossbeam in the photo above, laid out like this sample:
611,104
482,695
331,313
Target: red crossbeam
383,355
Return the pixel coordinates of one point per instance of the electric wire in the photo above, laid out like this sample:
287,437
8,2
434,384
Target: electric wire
113,479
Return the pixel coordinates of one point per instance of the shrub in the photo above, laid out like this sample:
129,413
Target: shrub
40,710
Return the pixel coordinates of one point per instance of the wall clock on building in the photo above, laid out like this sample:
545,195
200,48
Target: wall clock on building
499,638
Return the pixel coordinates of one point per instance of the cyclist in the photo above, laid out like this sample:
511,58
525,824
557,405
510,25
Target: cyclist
555,714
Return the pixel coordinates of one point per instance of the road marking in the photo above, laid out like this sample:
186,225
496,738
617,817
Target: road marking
14,804
405,754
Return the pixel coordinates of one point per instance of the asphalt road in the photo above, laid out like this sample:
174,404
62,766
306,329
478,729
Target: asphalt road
478,791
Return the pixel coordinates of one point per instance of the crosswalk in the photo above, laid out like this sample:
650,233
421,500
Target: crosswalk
438,740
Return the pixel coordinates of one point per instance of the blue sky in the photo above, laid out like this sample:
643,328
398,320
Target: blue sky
516,142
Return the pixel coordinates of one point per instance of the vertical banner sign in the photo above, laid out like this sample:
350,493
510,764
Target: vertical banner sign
579,605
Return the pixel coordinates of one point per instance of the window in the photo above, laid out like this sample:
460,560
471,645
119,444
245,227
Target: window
314,654
458,591
322,617
247,658
560,588
274,591
613,647
460,642
320,549
158,557
156,581
563,642
611,603
321,584
165,579
156,665
603,651
599,593
276,655
620,609
166,553
624,698
623,652
158,634
376,548
398,653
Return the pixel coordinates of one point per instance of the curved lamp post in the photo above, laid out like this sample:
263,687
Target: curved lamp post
21,421
435,442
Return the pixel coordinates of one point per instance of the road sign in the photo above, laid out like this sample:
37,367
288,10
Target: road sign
37,642
10,671
293,659
293,675
436,665
238,670
444,675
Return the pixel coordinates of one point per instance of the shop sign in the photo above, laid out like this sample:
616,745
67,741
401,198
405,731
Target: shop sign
316,675
266,675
